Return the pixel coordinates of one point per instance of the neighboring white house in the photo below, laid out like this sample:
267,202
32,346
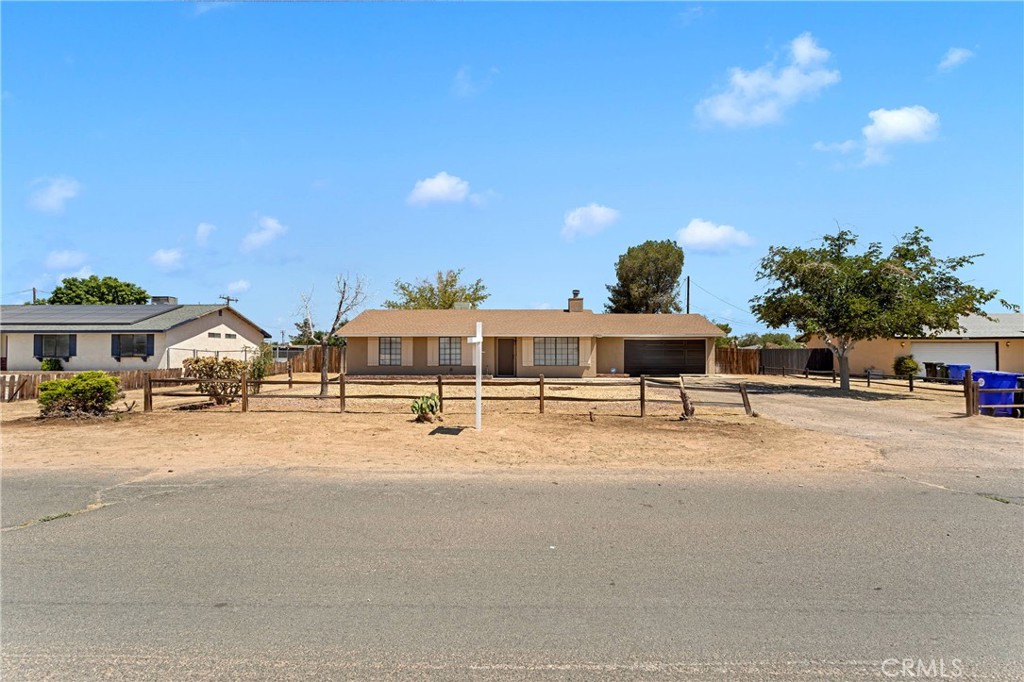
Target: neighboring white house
122,337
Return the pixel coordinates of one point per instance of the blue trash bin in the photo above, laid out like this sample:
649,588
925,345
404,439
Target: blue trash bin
957,371
1007,380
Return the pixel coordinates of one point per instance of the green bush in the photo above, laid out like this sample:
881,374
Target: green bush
905,365
259,364
214,368
86,393
427,408
51,365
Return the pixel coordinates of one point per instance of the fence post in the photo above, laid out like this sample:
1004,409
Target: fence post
341,391
746,399
289,373
968,378
643,395
976,400
783,371
868,373
440,394
910,380
688,408
147,395
833,375
807,373
540,378
245,391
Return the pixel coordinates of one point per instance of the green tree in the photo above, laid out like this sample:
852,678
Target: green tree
305,335
724,341
847,297
441,293
647,279
95,291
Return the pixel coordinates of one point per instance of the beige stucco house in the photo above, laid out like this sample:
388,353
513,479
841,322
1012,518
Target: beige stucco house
986,344
569,343
122,337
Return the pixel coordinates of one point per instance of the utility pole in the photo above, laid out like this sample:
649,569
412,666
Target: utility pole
228,299
687,294
33,295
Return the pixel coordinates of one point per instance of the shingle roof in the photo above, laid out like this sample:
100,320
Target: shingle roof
104,318
1001,326
525,323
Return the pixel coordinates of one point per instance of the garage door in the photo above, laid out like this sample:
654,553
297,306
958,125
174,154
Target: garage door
665,358
979,354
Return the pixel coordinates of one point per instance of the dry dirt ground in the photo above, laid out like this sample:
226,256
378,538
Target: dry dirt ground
186,433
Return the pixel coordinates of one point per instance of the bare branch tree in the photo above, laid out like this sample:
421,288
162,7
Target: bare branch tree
351,296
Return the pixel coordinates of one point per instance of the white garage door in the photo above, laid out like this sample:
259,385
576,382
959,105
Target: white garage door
977,354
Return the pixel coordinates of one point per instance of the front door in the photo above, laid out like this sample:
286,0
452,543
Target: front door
506,357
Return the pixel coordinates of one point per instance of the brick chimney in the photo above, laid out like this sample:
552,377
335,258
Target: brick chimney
575,303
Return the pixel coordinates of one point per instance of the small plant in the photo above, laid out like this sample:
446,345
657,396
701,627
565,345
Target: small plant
905,365
51,365
427,408
215,368
88,393
259,365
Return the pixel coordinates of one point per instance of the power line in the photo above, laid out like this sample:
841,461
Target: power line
731,305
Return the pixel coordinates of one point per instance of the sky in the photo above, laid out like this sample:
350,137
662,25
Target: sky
258,150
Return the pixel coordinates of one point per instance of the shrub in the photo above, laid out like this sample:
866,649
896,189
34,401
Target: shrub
51,365
89,393
905,365
214,368
260,364
427,408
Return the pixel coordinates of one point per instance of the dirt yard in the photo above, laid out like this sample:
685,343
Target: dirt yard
379,434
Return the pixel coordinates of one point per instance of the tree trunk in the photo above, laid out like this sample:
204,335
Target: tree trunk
844,372
323,369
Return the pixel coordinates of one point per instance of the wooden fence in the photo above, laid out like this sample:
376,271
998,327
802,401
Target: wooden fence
311,360
972,398
25,385
250,390
737,360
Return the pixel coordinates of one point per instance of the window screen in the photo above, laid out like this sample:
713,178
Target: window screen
556,350
390,350
450,350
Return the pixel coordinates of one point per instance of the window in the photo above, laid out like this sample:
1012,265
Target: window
131,346
450,350
213,335
231,336
53,346
556,350
390,350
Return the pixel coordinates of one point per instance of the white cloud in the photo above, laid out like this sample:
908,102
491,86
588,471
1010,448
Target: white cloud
167,259
464,85
761,96
203,232
267,231
842,147
888,127
82,273
56,260
587,220
441,187
239,286
54,193
706,236
954,58
897,126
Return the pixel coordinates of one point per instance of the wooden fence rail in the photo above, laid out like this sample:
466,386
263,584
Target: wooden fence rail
250,389
25,385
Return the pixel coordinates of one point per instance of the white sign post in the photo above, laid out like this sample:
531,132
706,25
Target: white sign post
478,361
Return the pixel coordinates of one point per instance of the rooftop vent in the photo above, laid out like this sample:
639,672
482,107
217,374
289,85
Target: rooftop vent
575,303
165,300
463,305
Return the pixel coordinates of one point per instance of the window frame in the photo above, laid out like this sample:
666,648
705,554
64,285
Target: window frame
453,351
556,351
55,354
133,354
392,356
213,335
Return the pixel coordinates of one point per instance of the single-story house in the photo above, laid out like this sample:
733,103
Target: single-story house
122,337
566,343
987,344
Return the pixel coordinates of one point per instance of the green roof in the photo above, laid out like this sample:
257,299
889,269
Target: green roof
103,318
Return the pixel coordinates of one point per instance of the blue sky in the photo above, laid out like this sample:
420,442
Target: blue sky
260,149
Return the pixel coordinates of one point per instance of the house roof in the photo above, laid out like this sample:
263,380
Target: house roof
1001,326
525,323
105,318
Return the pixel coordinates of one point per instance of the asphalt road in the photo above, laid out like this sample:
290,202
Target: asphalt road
315,574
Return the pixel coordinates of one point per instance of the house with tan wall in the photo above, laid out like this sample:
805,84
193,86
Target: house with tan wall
570,343
122,337
984,344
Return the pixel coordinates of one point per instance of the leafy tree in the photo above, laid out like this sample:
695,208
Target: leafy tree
780,339
647,279
351,295
847,297
724,341
305,335
95,291
442,293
